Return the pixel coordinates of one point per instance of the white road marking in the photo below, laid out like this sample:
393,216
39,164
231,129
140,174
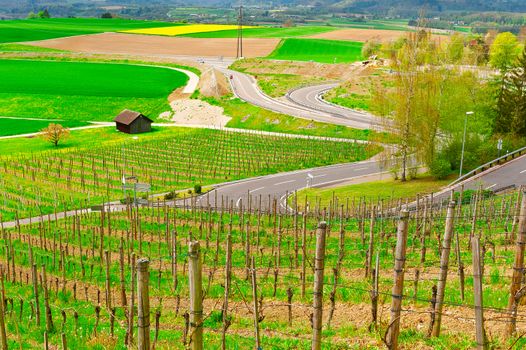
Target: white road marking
487,188
284,182
522,172
322,175
257,189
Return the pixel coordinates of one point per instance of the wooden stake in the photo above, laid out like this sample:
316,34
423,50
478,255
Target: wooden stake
255,303
228,271
319,266
49,319
477,292
143,305
444,263
518,268
391,338
196,295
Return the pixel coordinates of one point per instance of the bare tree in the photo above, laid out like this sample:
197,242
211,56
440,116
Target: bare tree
54,133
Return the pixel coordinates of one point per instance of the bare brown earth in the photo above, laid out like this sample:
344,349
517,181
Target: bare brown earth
354,34
361,34
120,43
305,69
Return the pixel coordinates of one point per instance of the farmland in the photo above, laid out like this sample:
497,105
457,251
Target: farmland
178,159
184,29
83,91
42,29
327,51
265,32
89,280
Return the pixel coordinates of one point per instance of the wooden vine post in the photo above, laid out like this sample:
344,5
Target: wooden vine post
143,305
228,271
518,268
255,303
391,337
319,266
2,313
477,293
444,263
196,295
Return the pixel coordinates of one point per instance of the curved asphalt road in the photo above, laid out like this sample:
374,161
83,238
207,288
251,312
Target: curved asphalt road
311,97
280,185
245,87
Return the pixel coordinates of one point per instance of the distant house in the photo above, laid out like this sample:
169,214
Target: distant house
132,122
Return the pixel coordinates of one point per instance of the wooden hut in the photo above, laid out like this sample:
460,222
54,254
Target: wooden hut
132,122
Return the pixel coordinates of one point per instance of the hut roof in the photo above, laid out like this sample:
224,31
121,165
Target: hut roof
127,117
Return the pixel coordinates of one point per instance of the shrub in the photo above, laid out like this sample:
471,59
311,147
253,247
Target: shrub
197,189
170,195
440,168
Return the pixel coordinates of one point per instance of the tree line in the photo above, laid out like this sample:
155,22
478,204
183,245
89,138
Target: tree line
438,86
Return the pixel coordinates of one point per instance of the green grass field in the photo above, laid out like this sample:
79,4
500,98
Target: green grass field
42,29
266,32
83,91
15,126
318,50
388,188
25,48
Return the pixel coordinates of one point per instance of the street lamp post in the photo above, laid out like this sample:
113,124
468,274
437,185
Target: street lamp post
464,142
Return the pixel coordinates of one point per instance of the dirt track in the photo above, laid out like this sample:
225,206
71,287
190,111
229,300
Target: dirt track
364,35
119,43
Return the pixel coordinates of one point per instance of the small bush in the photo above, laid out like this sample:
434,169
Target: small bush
170,195
197,189
440,168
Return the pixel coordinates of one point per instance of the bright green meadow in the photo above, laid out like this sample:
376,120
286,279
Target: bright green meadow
42,29
266,32
15,126
318,50
83,91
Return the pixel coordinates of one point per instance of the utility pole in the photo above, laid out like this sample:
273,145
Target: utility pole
464,142
239,53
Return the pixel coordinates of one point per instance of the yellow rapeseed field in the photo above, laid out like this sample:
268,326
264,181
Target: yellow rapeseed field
180,30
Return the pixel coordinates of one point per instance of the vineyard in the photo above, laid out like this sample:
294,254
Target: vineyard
48,182
265,278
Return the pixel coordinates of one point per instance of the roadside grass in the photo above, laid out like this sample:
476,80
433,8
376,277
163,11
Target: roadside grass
247,116
50,28
83,90
266,32
383,189
350,100
317,50
15,126
277,85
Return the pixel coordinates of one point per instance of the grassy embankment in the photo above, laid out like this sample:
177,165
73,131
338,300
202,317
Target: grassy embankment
247,116
383,189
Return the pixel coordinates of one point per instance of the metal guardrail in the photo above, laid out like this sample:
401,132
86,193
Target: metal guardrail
501,160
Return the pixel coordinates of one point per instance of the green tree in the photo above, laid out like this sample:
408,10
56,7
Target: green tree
512,104
455,48
504,51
